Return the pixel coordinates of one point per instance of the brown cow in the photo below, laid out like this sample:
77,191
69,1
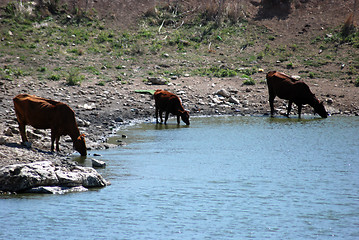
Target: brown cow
170,103
285,87
44,113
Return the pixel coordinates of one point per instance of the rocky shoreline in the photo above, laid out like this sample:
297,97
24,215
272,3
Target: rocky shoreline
100,110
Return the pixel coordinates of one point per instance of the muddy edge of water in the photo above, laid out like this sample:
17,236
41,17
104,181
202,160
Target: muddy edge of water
103,109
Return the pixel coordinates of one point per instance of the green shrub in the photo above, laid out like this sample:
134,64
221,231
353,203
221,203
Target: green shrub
18,73
155,47
271,38
248,71
93,70
248,80
54,77
8,73
76,51
101,83
74,77
42,69
356,83
294,47
223,72
105,37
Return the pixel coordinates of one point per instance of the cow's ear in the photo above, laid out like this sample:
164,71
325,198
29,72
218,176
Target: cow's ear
82,136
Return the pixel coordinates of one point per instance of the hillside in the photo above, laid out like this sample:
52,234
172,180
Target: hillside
128,41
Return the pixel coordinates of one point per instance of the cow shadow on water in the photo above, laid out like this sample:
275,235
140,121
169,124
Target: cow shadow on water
282,119
81,160
160,126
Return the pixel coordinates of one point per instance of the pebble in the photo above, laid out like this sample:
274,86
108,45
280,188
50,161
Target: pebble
223,92
97,163
233,100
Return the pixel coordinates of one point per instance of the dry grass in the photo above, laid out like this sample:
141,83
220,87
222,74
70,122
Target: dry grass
222,10
348,26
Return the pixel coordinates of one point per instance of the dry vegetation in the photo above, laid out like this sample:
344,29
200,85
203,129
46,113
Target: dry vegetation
72,41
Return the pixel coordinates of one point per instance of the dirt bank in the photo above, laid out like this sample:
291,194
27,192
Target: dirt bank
102,109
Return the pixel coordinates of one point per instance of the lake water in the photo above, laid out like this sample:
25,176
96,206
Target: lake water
219,178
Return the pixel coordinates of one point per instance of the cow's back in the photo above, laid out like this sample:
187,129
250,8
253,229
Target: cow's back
278,79
167,101
285,87
40,112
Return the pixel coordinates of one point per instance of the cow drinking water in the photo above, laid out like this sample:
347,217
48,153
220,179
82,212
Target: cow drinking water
44,113
170,103
295,91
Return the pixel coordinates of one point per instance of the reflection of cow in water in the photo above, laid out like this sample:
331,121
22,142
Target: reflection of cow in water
44,113
170,103
293,90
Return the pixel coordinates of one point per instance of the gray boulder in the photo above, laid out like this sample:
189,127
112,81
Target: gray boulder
97,163
223,92
22,177
157,80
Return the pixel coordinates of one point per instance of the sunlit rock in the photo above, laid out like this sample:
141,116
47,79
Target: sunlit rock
21,177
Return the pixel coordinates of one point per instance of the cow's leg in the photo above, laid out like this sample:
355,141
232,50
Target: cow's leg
178,119
22,129
23,133
271,103
156,114
161,115
57,143
299,110
289,107
166,117
53,137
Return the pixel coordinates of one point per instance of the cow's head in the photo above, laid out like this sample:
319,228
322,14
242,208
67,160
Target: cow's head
319,108
185,116
80,145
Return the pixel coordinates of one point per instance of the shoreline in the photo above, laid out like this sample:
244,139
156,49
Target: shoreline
100,110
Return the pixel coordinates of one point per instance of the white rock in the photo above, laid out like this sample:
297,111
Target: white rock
21,177
82,123
223,92
89,106
98,164
216,100
233,100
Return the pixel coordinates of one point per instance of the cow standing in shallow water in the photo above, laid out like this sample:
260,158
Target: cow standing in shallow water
44,113
294,91
170,103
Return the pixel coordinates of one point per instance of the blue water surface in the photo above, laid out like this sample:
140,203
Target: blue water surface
219,178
